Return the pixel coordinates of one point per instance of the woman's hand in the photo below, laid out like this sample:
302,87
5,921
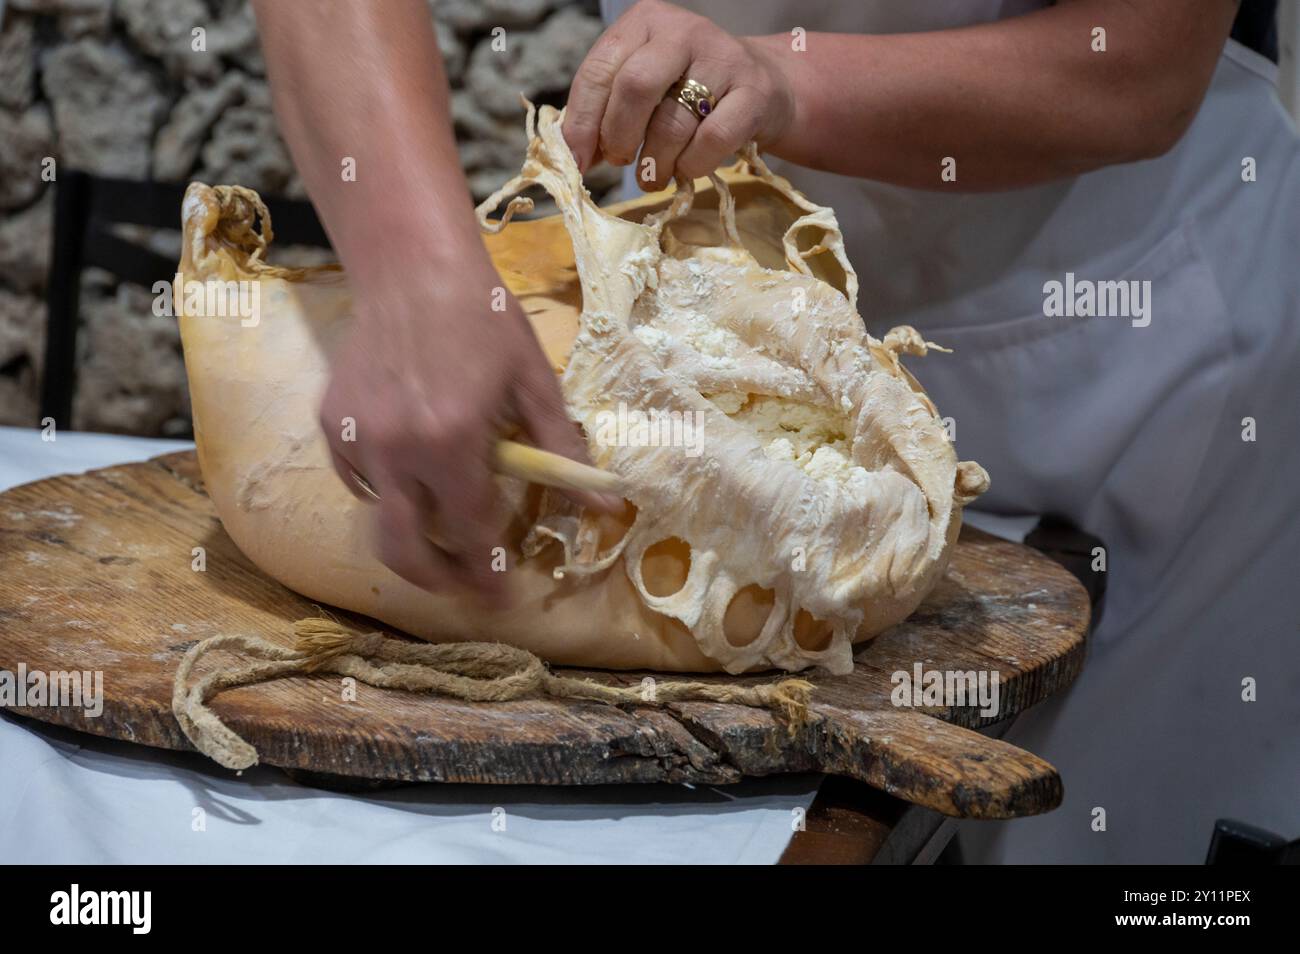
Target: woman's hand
620,101
431,374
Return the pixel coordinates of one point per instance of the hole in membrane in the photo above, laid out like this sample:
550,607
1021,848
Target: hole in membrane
613,527
746,614
810,633
665,566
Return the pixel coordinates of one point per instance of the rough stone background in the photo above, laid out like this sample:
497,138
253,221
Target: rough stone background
111,87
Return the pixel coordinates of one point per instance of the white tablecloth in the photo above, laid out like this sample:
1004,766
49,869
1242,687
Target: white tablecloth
72,798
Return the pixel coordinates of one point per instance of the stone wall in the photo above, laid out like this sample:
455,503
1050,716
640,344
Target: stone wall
112,87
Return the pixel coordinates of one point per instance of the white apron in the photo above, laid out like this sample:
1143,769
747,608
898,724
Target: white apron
1134,433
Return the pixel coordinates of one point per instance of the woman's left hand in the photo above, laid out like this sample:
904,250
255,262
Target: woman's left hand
620,101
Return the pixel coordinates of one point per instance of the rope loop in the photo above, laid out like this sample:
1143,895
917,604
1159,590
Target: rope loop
474,672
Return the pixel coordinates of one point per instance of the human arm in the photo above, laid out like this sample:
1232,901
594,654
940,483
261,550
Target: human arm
430,372
1014,102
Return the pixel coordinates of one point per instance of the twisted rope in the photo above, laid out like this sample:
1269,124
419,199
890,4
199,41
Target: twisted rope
475,672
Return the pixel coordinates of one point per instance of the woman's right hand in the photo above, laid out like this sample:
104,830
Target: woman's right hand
428,378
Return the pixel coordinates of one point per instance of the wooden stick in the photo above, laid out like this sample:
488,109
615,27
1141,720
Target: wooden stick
537,466
551,470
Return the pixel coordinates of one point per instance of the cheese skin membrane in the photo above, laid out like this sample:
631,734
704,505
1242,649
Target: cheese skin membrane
790,488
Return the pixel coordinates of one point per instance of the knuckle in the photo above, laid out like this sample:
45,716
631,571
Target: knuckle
450,428
580,122
725,47
718,137
635,83
389,436
649,8
601,64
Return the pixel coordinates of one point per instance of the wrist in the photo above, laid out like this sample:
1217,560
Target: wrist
398,218
399,251
427,285
786,64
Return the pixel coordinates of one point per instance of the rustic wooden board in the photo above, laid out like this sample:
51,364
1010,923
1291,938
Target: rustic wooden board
96,574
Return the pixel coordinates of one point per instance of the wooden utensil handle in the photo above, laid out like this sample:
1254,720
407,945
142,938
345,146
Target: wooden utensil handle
551,470
535,466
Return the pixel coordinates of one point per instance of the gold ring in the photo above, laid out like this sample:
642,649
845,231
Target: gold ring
695,96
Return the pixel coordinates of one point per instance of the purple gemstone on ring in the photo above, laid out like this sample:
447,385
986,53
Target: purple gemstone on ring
705,108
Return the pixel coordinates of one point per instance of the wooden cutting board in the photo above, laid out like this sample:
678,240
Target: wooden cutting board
96,574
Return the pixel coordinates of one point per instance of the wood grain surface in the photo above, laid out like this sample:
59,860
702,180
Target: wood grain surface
96,574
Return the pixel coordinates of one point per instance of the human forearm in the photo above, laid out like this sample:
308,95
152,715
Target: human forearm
365,81
1015,102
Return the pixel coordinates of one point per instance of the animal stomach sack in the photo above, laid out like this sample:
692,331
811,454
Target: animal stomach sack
790,487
